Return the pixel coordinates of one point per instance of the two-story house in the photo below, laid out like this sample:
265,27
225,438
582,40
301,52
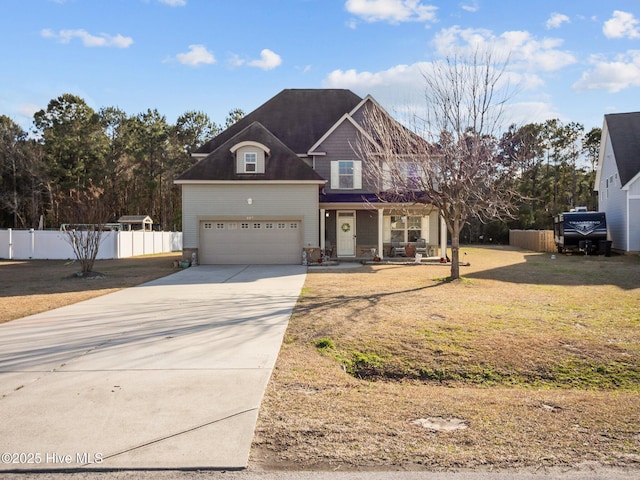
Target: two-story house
286,177
618,179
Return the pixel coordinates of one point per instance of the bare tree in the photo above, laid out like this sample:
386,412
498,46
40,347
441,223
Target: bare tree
85,233
450,159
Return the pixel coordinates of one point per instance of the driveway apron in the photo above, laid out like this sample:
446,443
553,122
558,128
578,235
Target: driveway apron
169,374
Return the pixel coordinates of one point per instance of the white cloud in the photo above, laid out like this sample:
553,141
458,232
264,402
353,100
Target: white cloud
522,49
400,89
174,3
393,11
398,75
268,60
612,76
88,40
556,20
622,24
471,6
197,55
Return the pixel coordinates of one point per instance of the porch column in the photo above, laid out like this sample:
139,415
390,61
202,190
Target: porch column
322,229
380,233
443,238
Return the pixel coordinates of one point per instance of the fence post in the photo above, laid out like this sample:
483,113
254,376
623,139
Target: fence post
33,243
10,244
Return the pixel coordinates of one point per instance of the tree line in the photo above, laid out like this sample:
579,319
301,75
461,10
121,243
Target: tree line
75,155
556,170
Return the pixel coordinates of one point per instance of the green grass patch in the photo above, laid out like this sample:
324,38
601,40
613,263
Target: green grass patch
324,344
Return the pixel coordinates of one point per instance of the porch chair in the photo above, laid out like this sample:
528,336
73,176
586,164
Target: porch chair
397,249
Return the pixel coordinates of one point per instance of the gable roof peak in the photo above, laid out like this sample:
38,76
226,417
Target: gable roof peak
281,164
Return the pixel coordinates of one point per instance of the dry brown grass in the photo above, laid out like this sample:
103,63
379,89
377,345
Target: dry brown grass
540,357
33,286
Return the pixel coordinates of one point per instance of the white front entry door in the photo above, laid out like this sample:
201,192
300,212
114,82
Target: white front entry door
346,228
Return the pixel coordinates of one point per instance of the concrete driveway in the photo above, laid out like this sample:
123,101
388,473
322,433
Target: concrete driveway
169,374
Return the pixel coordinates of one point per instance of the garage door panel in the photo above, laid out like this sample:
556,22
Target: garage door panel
238,242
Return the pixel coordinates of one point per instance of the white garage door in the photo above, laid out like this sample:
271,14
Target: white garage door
255,242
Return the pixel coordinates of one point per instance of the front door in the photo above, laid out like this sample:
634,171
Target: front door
346,228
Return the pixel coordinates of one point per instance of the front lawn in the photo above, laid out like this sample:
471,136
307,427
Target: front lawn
537,359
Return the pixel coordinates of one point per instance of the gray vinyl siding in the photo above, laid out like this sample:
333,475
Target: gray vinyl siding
634,214
634,225
203,202
340,145
359,115
367,227
612,199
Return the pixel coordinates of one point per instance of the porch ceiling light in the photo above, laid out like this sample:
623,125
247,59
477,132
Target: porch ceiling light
249,201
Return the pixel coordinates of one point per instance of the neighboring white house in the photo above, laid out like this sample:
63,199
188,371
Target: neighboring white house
618,179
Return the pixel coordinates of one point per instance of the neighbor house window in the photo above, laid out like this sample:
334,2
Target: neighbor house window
250,162
346,175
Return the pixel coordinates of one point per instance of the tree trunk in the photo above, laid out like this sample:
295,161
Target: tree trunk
455,250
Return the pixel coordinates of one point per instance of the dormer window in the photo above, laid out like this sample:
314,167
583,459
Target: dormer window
250,162
250,157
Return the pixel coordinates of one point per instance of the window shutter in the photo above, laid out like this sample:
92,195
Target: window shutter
335,180
386,232
357,175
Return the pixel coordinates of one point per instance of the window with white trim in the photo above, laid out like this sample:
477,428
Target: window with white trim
250,162
406,228
346,175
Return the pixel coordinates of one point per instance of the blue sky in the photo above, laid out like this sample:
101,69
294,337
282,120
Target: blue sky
573,60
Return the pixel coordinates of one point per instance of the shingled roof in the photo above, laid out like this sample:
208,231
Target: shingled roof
624,131
298,117
281,163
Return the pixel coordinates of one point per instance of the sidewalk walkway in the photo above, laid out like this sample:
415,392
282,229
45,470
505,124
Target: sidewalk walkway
169,374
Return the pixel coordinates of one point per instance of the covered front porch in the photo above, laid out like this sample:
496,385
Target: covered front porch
364,230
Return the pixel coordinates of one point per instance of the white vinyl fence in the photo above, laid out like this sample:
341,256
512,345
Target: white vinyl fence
54,245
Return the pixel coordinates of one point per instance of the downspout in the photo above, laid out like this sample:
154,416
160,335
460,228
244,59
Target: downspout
380,233
322,229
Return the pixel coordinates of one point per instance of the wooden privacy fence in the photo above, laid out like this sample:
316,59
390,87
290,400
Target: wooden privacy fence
535,240
54,245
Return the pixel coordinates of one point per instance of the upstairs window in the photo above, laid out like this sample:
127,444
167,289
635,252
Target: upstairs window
250,162
346,175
